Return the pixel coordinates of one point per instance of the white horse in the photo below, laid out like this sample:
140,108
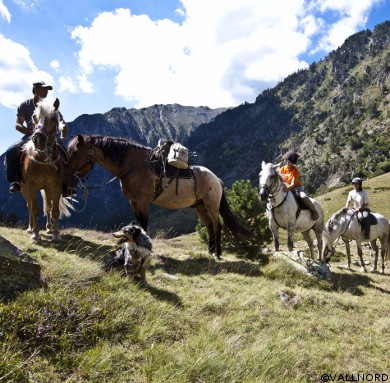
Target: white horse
345,224
284,211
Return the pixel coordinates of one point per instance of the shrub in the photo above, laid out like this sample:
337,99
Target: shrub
245,205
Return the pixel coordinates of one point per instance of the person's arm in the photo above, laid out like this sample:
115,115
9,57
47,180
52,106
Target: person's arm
20,127
349,199
291,186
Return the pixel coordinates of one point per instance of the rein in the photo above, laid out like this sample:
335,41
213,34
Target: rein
271,194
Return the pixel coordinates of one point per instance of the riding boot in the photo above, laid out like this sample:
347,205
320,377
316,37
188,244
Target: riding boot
366,228
314,213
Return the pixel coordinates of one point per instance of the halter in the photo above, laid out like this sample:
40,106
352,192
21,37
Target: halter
344,229
47,151
272,190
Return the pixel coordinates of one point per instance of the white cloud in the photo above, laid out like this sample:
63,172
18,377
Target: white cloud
352,17
4,13
17,73
223,52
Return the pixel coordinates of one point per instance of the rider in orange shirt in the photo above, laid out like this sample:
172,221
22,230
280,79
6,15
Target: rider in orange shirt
290,174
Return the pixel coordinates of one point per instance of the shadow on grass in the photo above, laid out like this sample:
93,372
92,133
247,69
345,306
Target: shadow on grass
353,283
76,245
198,266
166,296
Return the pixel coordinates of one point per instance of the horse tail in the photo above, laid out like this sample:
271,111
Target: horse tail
64,205
230,219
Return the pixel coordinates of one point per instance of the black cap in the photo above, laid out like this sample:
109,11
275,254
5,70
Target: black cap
41,84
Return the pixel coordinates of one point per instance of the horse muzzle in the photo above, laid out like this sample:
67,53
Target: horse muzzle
263,194
328,254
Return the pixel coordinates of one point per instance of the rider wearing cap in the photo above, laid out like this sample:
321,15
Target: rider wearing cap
25,124
361,203
291,174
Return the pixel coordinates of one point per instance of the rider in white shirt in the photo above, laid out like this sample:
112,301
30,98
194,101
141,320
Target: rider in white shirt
361,203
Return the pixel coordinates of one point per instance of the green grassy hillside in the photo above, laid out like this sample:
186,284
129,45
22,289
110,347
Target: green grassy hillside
200,320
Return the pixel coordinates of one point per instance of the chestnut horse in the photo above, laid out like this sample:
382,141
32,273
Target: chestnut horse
130,162
43,170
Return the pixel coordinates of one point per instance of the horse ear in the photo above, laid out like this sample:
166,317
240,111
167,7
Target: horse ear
80,139
56,103
263,164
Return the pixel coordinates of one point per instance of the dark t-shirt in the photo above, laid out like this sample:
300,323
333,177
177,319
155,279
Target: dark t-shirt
26,110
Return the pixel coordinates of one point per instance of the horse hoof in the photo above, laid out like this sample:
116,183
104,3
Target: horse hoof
35,238
373,270
49,231
29,230
363,270
56,239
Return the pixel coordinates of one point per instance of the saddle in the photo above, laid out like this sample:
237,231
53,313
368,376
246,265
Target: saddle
159,165
371,219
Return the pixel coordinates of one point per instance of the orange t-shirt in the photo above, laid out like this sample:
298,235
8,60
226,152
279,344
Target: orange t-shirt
290,174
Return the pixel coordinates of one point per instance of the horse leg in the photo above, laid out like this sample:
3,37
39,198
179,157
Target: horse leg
275,233
48,208
319,244
30,224
34,212
306,236
290,237
348,251
206,220
141,212
383,253
374,246
360,253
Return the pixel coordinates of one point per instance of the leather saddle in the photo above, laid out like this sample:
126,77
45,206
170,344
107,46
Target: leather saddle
167,173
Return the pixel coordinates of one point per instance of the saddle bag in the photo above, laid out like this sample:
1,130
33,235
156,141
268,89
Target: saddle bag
178,156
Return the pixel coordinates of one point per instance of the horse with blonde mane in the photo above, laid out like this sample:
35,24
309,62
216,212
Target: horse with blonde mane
43,170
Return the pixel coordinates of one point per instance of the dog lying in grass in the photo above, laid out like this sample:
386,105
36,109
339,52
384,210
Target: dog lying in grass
137,250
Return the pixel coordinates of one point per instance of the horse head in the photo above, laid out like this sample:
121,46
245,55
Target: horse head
48,117
333,229
39,138
268,177
79,153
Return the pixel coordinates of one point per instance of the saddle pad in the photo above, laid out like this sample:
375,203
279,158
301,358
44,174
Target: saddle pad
372,219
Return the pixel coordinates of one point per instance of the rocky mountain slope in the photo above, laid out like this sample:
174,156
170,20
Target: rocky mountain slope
335,114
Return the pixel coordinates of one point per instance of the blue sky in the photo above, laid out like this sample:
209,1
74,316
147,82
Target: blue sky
100,54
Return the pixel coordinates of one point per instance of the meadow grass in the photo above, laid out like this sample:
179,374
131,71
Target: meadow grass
216,321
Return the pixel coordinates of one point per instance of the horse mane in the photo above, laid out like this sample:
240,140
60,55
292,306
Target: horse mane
114,148
45,108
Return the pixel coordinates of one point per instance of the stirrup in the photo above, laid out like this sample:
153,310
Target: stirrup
15,187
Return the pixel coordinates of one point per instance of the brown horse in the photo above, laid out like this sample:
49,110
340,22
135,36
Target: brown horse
131,164
43,170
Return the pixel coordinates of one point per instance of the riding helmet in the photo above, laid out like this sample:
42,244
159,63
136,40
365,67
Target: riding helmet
357,180
292,157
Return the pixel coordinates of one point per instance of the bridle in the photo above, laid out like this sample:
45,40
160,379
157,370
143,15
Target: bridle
271,190
48,149
329,230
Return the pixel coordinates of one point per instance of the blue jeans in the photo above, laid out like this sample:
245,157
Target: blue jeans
12,159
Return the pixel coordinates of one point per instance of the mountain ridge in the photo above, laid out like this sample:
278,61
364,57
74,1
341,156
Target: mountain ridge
335,114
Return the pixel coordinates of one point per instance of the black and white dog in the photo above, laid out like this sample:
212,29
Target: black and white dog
137,250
